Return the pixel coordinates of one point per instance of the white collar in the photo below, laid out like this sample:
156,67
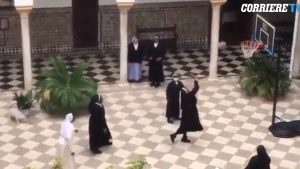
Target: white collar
185,89
99,104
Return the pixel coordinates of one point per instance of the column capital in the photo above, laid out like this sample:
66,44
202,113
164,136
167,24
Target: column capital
24,9
125,4
218,2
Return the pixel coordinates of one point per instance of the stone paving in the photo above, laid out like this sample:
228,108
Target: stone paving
233,126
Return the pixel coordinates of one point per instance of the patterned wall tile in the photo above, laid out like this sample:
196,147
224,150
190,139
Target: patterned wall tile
51,26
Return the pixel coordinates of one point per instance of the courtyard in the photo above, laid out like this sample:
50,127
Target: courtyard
233,126
104,68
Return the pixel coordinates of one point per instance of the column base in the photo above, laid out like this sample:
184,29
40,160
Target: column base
122,84
213,79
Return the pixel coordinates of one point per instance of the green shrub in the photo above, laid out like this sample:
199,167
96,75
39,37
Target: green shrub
140,163
57,163
62,92
24,101
258,77
29,167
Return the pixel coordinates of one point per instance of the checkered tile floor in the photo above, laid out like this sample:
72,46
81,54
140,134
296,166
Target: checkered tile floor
105,69
234,126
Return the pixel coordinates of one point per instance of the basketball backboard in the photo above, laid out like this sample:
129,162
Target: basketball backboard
264,32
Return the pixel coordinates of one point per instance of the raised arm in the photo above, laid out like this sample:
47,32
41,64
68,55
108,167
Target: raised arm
196,87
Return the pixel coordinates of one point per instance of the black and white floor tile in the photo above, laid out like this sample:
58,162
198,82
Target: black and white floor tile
105,68
233,126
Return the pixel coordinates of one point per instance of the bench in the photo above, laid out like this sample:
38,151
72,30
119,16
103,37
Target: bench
168,36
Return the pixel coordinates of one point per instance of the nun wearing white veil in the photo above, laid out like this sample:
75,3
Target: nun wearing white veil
65,142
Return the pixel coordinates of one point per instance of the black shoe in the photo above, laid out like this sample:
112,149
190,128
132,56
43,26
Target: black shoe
170,121
185,140
152,84
96,151
157,85
172,137
109,143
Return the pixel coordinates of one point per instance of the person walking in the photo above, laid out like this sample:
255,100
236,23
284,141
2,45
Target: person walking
135,59
173,98
65,142
156,56
98,130
189,119
261,160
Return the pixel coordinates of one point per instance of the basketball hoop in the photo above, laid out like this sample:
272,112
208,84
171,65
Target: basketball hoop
249,47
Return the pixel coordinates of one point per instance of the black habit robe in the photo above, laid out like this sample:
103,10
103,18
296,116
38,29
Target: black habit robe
156,72
97,124
135,56
190,118
173,94
260,161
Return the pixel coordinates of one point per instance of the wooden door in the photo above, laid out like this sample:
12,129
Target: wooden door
85,23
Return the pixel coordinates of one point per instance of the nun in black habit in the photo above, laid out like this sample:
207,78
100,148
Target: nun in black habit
98,130
156,57
190,118
261,160
173,98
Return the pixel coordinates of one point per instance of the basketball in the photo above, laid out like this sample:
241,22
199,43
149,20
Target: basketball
222,45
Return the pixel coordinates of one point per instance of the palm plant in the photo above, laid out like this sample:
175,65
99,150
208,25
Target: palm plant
24,101
61,92
258,77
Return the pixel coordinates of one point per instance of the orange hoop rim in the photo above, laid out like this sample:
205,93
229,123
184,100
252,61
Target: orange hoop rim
249,47
257,43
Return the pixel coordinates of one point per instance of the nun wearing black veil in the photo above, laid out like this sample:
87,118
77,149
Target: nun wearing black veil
98,129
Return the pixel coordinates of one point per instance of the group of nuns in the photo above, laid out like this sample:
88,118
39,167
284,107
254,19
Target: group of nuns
179,97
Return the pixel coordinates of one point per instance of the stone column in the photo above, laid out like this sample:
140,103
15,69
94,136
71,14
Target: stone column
215,28
124,7
26,47
295,53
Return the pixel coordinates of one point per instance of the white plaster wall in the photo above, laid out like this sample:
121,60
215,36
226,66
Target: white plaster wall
68,3
295,58
52,3
112,2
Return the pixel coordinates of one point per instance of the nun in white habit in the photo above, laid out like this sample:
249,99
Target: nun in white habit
65,142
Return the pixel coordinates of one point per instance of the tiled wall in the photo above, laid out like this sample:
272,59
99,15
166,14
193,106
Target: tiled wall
50,31
51,28
192,22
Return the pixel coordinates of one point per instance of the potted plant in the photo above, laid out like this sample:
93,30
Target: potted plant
24,102
60,91
139,163
57,163
258,77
